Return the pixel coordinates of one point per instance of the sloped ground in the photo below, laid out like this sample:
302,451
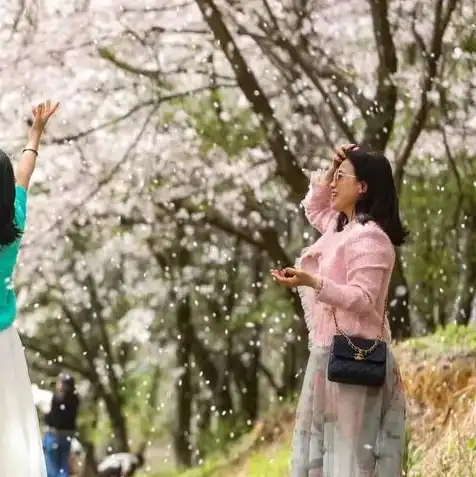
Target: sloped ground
440,379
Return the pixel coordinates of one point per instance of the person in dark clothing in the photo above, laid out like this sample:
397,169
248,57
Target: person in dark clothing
61,422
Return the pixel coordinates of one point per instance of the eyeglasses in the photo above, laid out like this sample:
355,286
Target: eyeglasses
339,175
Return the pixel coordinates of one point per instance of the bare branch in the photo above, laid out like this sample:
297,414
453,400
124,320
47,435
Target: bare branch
158,9
313,70
214,218
418,39
135,109
451,160
18,16
440,23
380,119
106,343
112,58
51,354
105,125
287,166
269,376
115,169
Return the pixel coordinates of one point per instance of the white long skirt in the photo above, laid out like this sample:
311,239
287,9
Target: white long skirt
21,450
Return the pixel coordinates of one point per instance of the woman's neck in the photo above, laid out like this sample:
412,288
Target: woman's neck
350,214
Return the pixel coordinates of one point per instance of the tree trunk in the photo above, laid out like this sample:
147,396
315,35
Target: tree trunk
290,366
461,308
89,464
183,388
204,422
251,403
118,423
399,299
246,370
287,167
295,352
218,379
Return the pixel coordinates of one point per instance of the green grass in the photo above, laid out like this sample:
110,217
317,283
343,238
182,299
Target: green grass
265,463
208,468
275,464
451,339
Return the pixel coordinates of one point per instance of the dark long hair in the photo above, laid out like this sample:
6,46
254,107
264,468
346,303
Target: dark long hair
9,232
380,201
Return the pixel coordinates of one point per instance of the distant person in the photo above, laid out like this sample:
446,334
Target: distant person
351,414
61,422
122,464
21,452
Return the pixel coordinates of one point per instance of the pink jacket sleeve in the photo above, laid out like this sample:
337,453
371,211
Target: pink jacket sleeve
317,206
369,254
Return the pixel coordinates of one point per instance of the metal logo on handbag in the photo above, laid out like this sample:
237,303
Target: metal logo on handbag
358,360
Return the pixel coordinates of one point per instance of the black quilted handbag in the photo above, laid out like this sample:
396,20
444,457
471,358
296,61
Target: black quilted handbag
356,360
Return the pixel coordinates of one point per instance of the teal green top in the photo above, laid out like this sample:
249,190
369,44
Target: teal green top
8,260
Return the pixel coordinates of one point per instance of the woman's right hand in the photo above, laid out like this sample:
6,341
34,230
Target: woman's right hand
340,154
327,177
42,113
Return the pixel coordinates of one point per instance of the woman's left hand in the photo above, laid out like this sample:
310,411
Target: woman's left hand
295,277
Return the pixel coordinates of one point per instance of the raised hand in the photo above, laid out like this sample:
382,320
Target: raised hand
42,113
339,156
340,153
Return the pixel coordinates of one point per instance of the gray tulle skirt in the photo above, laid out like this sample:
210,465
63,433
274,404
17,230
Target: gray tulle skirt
345,430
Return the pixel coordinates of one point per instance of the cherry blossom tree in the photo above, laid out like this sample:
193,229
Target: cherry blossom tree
172,177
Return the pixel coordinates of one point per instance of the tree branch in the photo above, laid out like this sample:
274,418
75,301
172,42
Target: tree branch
151,102
105,125
51,354
314,71
381,117
292,75
121,64
110,175
269,376
106,344
287,166
214,218
441,21
75,324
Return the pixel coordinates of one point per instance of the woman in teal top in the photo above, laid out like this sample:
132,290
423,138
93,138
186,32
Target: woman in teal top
8,249
21,452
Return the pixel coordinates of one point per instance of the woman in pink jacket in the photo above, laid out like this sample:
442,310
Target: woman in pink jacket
351,414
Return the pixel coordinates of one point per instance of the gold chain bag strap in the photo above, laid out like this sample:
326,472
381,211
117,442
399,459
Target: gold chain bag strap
357,360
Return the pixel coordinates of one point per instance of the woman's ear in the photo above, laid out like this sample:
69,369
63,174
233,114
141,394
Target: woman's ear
362,187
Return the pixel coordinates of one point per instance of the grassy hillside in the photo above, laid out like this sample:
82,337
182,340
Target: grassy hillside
440,379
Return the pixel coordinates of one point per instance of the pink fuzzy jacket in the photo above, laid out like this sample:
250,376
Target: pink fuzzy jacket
355,265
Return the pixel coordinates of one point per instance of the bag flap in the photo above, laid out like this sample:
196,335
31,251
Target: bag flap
341,349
